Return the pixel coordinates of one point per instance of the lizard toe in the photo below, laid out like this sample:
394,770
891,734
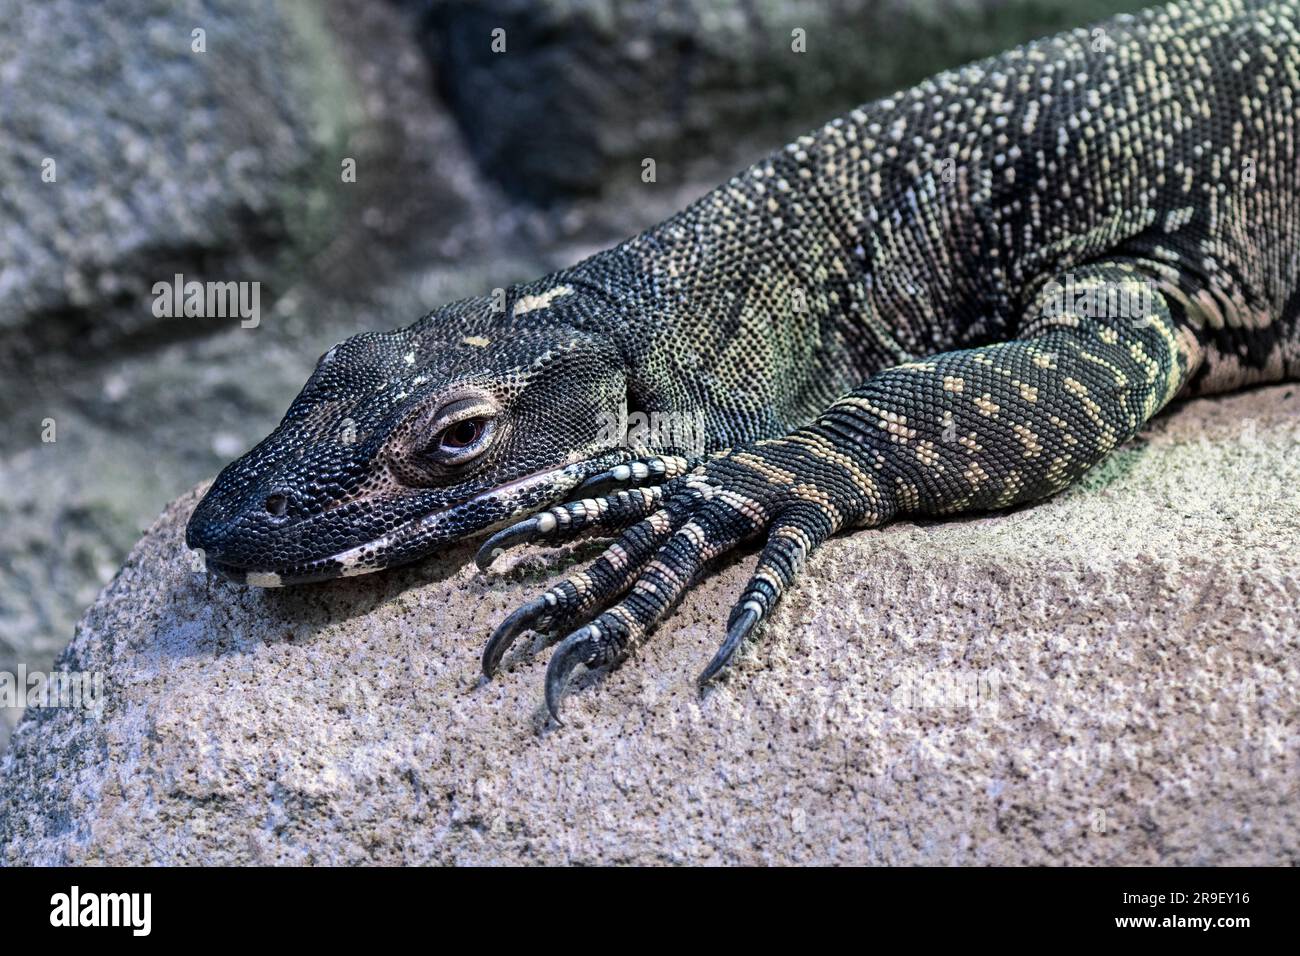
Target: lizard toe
582,647
642,471
792,538
713,524
563,522
565,604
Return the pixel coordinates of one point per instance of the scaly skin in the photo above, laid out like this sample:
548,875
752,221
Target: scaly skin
960,297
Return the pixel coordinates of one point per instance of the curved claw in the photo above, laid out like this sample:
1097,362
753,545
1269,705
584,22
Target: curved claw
575,649
518,533
736,634
612,476
508,630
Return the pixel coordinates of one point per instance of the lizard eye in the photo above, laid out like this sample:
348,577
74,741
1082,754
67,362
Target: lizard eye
462,435
460,431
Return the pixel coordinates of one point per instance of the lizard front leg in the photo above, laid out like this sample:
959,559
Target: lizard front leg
973,429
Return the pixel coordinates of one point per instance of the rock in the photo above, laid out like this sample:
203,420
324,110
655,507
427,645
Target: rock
132,154
583,92
1108,677
227,164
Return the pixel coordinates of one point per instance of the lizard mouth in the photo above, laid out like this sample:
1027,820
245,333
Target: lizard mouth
417,537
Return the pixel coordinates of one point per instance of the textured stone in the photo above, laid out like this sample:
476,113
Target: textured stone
227,165
1108,677
585,91
165,158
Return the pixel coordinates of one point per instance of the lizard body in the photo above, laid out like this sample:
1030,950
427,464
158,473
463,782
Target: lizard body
960,297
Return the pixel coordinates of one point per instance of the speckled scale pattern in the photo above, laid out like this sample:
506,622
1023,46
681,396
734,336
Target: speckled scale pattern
959,297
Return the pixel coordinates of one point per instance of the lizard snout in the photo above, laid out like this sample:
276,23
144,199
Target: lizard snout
236,531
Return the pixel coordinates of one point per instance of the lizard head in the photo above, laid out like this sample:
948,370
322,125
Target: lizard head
403,441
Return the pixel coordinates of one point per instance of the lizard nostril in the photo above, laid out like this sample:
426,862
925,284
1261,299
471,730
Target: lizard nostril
277,505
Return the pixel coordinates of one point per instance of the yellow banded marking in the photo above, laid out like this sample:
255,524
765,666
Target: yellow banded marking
773,474
820,448
531,303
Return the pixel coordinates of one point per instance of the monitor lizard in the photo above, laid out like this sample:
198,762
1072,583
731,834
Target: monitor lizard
959,297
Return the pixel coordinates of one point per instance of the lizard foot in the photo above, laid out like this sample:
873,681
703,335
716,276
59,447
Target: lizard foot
565,603
702,516
606,508
616,632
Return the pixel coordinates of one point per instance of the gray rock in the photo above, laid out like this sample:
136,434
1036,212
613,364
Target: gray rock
584,91
164,159
143,407
1108,677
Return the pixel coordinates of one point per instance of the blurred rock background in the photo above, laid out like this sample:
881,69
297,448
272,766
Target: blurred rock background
474,169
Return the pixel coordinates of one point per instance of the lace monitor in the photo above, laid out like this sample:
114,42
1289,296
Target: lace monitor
959,297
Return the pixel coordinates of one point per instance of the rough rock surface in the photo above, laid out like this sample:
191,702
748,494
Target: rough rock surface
1108,677
211,157
134,148
584,91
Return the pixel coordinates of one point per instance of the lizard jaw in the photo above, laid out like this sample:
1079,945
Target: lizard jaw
417,537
